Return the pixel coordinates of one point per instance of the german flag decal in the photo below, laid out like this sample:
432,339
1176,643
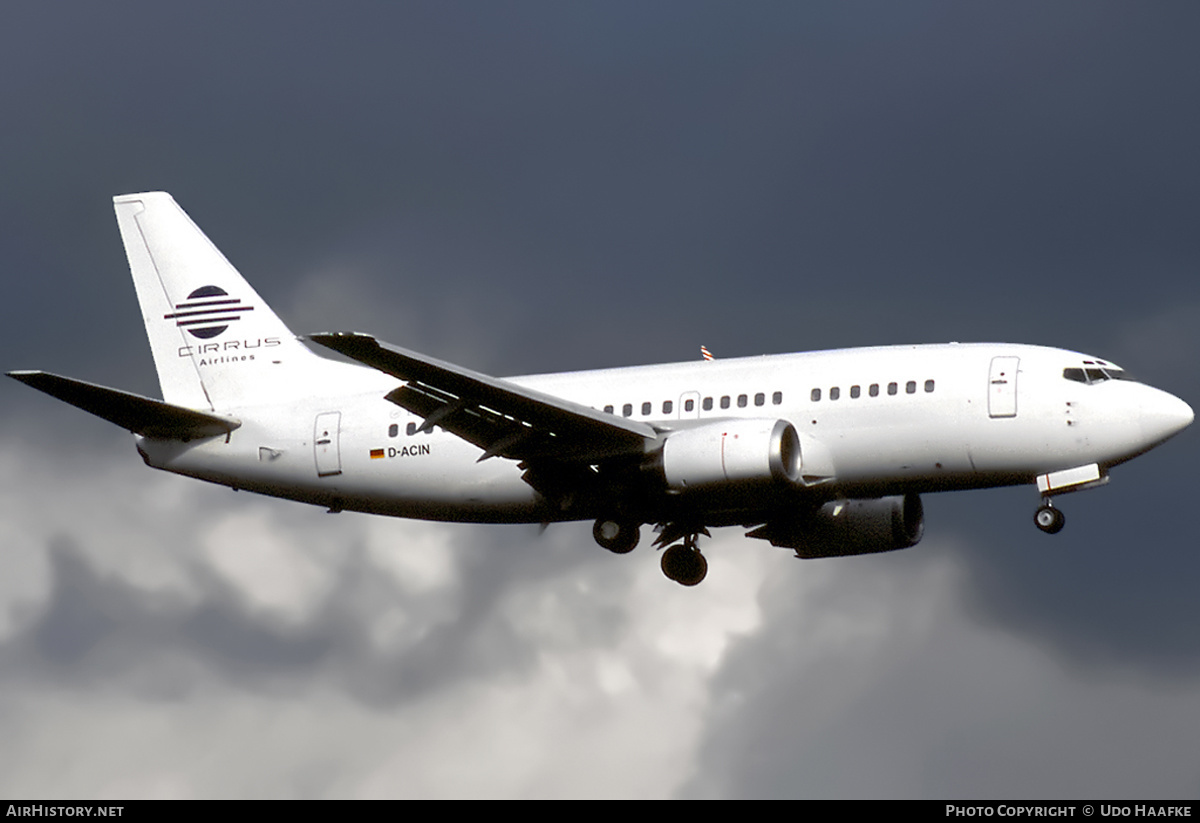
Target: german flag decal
376,454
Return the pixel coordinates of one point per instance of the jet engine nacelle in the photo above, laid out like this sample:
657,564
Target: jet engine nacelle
732,452
845,527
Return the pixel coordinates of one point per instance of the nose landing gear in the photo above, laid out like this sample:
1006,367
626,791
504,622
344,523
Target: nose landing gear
1049,519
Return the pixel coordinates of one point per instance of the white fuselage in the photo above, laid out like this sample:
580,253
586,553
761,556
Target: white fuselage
871,421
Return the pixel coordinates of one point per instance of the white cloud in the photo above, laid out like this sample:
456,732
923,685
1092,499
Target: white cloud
267,564
587,677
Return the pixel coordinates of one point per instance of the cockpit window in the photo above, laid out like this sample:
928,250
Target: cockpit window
1094,374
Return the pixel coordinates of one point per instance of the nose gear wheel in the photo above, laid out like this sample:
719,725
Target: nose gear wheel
1049,519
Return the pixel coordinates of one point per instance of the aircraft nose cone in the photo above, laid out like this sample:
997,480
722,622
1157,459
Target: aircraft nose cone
1165,415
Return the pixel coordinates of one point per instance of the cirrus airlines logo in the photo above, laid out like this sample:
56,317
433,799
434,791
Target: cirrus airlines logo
207,312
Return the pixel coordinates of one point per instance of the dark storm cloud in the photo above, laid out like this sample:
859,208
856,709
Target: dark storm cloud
548,186
623,167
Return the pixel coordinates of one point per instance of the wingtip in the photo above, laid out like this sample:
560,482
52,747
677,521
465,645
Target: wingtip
344,342
24,375
340,335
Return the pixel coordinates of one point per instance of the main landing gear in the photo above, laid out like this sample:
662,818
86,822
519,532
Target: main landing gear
682,562
616,534
1049,519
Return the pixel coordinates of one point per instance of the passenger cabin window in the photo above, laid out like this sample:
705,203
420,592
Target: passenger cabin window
911,387
708,404
646,408
760,399
816,395
725,402
393,430
668,405
892,388
608,409
835,393
874,390
689,405
627,410
742,400
777,398
928,386
855,391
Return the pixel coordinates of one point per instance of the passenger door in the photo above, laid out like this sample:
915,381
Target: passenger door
325,444
1002,387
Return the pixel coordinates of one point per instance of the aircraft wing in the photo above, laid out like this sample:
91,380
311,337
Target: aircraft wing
496,415
140,415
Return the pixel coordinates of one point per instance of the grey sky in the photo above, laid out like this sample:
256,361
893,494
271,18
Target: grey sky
542,186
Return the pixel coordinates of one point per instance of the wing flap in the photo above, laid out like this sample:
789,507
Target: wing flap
140,415
499,416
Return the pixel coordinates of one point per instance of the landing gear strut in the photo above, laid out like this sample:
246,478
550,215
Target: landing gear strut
1049,519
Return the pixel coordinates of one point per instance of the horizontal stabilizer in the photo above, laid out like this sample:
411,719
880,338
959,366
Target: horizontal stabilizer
140,415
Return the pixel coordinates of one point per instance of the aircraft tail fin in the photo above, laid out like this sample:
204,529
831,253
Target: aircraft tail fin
216,343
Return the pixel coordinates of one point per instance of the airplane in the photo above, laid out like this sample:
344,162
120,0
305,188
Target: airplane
824,453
